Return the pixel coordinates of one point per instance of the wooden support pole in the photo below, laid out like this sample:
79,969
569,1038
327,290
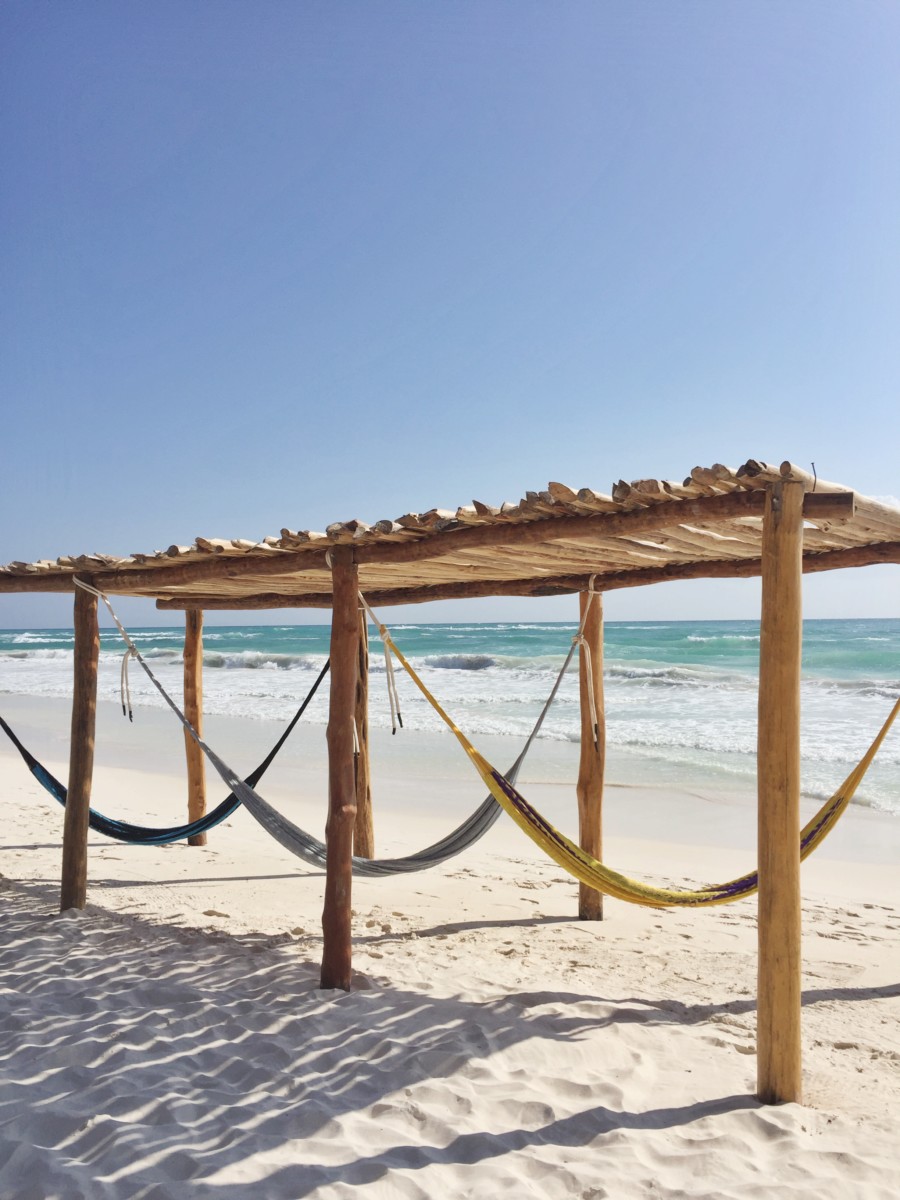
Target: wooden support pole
593,750
364,829
336,947
73,892
193,710
778,767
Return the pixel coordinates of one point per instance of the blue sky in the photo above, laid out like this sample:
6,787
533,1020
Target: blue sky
280,264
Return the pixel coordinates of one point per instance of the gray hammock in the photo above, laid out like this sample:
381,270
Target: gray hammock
309,848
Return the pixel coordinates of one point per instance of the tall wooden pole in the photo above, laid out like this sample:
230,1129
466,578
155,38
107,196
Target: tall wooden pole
73,892
364,829
193,710
336,948
778,767
593,750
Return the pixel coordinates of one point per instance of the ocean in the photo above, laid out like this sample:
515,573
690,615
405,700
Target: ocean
681,696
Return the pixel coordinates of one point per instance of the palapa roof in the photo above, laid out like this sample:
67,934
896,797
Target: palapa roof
551,542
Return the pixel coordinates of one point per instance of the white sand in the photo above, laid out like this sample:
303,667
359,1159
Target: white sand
171,1041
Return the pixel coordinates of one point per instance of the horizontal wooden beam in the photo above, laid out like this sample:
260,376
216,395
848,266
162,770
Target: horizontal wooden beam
550,585
134,580
605,525
223,568
829,506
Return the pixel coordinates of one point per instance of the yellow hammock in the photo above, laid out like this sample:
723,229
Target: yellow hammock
594,873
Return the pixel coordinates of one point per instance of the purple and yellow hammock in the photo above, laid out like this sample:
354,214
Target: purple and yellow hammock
503,796
595,874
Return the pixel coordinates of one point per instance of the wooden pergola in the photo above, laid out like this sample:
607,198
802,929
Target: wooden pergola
776,522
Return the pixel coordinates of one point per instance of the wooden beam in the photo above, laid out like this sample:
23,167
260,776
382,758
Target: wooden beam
606,525
550,585
778,769
829,506
193,710
133,580
593,749
336,948
364,829
73,892
225,568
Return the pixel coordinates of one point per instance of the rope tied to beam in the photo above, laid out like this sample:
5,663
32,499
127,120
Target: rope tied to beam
393,694
294,839
596,874
131,651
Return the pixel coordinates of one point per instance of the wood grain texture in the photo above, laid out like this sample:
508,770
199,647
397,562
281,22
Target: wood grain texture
73,892
364,829
593,751
336,945
550,584
193,710
778,769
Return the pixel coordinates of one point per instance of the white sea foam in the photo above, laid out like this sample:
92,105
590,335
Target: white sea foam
685,719
28,638
148,635
260,660
37,655
460,662
723,637
674,675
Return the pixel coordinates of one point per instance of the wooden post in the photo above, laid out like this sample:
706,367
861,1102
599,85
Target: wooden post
336,947
73,892
778,767
364,829
593,750
193,710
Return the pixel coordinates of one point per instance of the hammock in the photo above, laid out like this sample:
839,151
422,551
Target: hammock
311,850
143,835
595,874
294,839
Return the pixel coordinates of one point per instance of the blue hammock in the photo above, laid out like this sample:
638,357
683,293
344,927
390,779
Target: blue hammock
143,835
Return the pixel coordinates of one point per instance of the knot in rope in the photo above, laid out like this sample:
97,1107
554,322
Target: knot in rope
131,651
125,686
393,695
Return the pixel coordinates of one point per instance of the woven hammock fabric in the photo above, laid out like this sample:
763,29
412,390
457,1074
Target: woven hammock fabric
300,843
294,839
597,875
145,835
313,851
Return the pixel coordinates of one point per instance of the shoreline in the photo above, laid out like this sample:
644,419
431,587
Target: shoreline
417,771
681,705
491,1040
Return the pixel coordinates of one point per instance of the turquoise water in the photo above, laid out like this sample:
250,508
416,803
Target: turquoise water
680,696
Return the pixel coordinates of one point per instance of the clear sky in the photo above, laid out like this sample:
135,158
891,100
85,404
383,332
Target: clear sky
276,264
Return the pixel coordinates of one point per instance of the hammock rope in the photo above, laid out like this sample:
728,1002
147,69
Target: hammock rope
143,835
596,874
304,845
